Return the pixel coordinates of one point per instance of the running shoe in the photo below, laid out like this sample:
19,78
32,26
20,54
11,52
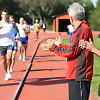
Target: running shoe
20,57
7,76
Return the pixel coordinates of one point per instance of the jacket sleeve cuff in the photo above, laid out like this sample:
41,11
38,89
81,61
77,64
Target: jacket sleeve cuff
53,47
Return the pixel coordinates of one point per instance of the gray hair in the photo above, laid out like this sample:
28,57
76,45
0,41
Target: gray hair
76,11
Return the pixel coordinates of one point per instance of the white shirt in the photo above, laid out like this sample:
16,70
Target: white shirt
6,35
21,30
44,25
70,28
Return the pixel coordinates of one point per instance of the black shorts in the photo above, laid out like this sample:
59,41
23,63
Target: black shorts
3,49
79,90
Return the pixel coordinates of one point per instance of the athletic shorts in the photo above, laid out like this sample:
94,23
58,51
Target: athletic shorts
79,90
37,31
4,49
13,48
23,40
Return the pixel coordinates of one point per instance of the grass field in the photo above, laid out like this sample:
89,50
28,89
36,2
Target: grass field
96,72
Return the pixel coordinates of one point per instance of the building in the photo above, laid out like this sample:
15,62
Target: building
60,22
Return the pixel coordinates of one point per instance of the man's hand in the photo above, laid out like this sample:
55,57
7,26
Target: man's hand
56,42
85,44
45,46
50,43
82,44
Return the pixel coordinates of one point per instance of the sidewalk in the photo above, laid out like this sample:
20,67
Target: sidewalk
46,80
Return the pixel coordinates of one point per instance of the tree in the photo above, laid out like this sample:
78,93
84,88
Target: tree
42,9
45,9
95,18
11,6
89,7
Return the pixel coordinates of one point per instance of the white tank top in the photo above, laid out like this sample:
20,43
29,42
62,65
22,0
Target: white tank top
21,31
6,35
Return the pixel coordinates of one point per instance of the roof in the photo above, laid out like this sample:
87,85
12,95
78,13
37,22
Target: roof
58,15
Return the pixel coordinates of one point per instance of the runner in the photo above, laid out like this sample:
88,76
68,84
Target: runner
6,42
36,29
23,31
14,49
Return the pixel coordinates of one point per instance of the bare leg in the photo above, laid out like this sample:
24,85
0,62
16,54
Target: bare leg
4,64
24,51
7,63
13,60
36,35
20,50
8,59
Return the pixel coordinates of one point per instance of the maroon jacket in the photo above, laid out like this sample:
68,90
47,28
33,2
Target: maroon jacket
80,62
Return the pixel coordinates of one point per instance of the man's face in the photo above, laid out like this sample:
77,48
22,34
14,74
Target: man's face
4,15
10,18
21,20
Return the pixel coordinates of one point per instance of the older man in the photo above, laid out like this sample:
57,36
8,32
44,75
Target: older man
80,62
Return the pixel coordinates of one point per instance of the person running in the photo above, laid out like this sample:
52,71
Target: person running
44,27
14,49
7,40
23,31
36,29
27,31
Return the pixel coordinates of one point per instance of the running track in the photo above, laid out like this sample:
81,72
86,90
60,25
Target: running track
46,79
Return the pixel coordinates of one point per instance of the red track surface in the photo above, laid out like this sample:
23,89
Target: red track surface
46,80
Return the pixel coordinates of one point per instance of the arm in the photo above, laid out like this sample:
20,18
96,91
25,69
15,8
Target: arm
18,35
15,26
61,49
96,51
27,29
74,50
89,46
17,38
0,27
65,50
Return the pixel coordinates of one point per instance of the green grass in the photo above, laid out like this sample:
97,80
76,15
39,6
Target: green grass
65,41
96,72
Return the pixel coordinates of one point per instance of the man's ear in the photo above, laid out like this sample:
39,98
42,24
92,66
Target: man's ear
71,18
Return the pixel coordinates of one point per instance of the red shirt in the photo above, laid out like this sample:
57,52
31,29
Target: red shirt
80,62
